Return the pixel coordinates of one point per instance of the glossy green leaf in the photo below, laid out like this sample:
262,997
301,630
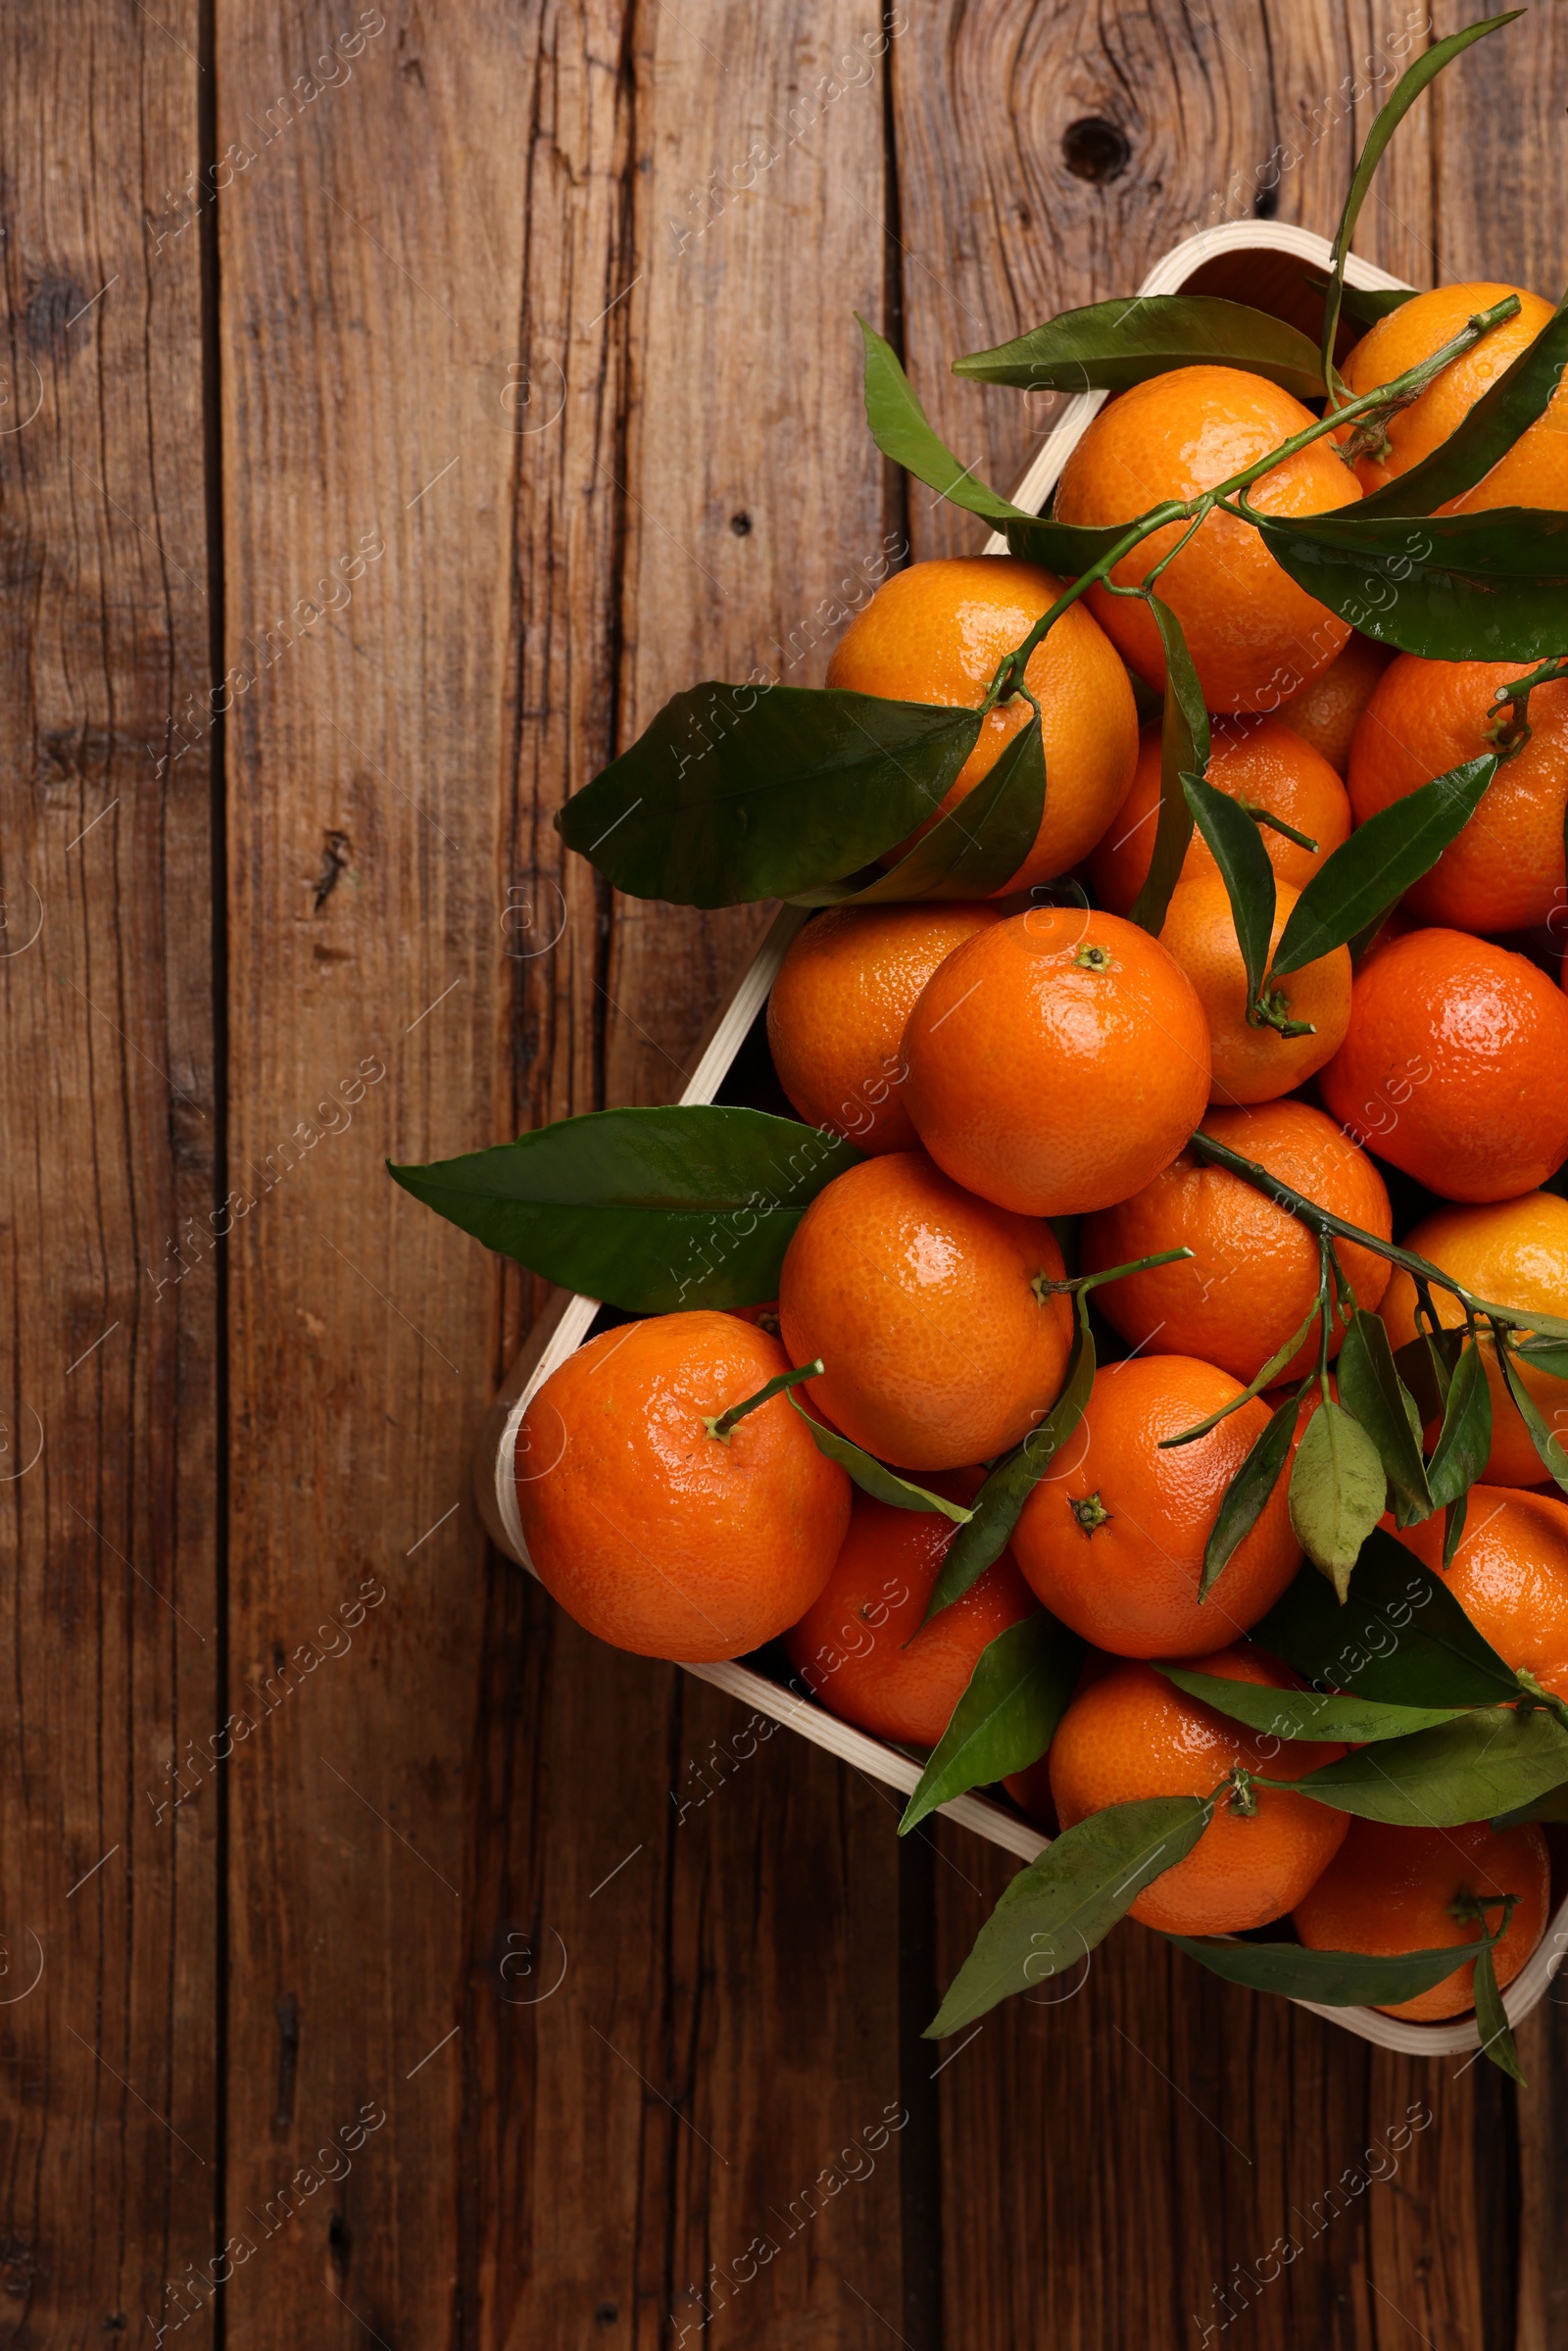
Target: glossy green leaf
974,849
1371,872
1333,1979
1184,746
1008,1715
1237,848
1373,1394
1109,345
1070,548
1465,1444
1247,1496
1338,1491
1471,1769
1054,1912
736,792
1493,2029
1010,1484
1403,95
1400,1636
1306,1713
1543,1436
650,1209
874,1477
1546,1354
901,430
1488,431
1485,587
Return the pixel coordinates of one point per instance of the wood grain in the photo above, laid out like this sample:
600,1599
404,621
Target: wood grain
108,1499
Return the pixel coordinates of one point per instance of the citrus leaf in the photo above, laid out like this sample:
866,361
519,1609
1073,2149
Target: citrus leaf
1366,304
1544,1439
901,430
1485,587
1008,1487
1237,848
1549,1355
1426,1366
971,850
1306,1713
1370,871
1109,345
1008,1715
1184,746
1373,1394
1254,1389
1403,95
1552,1806
1400,1636
1247,1496
1465,1442
1484,1763
650,1209
874,1477
1055,1911
736,792
1493,2029
1338,1491
1334,1979
1068,549
1487,431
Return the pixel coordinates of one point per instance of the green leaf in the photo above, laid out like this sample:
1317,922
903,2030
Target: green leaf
971,850
1485,587
737,793
1471,1769
1184,746
1255,1385
1070,548
1549,1355
1488,431
874,1477
1366,304
1237,847
1462,1449
1008,1487
1426,1366
1008,1715
1306,1713
1370,871
1111,345
1401,1636
899,430
1544,1439
650,1209
1247,1496
1373,1394
1493,2029
1334,1979
1403,95
1055,1911
1552,1806
1338,1491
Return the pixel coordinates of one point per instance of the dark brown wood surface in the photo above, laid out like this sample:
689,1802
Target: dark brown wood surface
394,409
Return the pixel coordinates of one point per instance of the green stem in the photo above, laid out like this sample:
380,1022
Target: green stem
1509,735
1545,1698
1009,678
1043,1288
723,1422
1277,824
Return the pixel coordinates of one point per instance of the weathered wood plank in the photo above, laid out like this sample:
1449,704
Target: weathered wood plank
108,1524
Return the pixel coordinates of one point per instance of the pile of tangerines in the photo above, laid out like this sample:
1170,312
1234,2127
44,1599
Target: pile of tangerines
931,1438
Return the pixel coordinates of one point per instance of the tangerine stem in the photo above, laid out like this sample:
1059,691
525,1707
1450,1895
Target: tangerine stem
1043,1288
723,1423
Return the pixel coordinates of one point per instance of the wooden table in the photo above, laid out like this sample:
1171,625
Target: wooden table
450,385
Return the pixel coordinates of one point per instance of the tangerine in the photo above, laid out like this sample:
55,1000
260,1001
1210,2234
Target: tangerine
1513,1254
1391,1890
1506,870
860,1646
931,1311
1135,1734
1255,1062
836,1014
655,1532
1260,761
1252,1275
1535,470
1057,1062
1509,1573
937,632
1455,1065
1325,712
1112,1537
1254,636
